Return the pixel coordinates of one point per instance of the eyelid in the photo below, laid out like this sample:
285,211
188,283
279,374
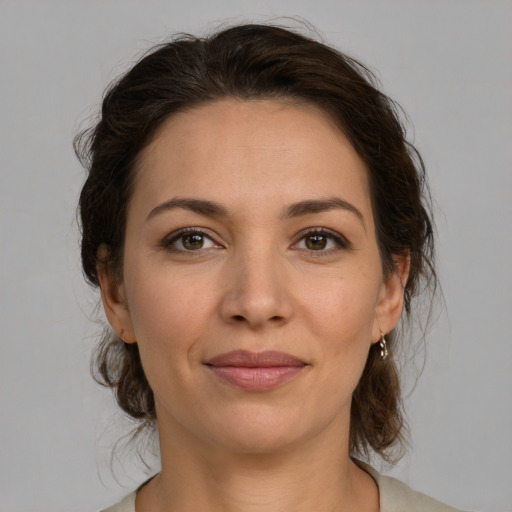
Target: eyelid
341,241
169,239
338,238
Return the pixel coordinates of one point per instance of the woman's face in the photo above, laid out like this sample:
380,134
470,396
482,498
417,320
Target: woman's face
252,281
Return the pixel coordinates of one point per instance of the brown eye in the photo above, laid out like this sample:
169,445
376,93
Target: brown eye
322,241
188,241
316,242
193,241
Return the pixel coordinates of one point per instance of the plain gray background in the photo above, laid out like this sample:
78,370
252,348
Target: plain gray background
449,63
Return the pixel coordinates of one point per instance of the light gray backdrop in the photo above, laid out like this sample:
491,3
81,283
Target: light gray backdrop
449,63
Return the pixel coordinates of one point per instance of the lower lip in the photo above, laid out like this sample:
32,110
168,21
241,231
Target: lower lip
258,378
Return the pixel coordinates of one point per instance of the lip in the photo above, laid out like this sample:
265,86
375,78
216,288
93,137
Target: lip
256,371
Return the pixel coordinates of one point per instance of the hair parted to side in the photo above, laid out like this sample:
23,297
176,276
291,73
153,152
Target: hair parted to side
257,62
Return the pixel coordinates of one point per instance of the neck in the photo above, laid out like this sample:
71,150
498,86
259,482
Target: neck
314,476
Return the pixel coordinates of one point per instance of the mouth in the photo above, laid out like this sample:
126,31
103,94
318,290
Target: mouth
256,371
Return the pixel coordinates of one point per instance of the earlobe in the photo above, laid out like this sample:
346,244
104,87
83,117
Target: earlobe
113,296
391,301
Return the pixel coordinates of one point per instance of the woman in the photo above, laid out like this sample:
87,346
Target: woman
258,226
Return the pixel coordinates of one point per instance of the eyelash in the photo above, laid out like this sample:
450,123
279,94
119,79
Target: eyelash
341,242
171,239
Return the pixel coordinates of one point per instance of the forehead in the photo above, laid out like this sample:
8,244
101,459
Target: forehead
263,150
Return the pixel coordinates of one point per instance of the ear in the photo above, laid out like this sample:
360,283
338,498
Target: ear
391,299
113,296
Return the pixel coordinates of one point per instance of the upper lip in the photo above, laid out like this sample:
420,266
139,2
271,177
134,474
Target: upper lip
248,359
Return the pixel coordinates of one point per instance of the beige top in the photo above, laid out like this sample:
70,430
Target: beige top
394,496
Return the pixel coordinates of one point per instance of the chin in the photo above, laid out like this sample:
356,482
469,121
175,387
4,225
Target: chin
261,443
259,433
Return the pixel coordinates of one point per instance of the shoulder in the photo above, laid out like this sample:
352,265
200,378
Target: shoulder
127,504
395,496
398,497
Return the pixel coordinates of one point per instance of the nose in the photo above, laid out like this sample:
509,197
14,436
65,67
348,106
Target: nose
256,292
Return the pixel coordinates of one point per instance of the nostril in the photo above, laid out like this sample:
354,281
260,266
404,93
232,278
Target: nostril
242,318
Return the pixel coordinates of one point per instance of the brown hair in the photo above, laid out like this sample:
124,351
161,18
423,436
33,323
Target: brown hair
257,62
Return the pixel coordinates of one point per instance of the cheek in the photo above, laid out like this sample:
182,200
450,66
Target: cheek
343,318
168,312
343,306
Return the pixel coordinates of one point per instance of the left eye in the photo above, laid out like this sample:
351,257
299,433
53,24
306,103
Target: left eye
190,241
319,241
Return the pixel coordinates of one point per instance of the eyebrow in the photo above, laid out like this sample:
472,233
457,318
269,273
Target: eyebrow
213,209
201,206
321,205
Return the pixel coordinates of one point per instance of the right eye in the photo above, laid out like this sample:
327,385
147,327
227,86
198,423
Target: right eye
188,240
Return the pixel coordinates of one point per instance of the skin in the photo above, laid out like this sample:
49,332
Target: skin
257,283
